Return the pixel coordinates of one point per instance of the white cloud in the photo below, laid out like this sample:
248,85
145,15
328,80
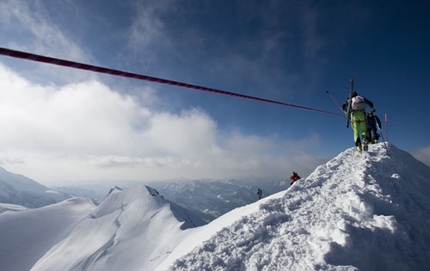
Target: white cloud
148,33
79,116
89,131
422,154
27,26
31,18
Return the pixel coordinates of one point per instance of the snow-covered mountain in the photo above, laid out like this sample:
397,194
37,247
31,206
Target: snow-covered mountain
135,227
20,190
359,211
26,235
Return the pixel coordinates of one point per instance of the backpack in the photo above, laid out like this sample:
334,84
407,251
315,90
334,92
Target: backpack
358,103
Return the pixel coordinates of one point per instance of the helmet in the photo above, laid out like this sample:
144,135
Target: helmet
353,93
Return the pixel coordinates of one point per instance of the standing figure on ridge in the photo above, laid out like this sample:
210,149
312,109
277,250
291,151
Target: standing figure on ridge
358,118
259,193
373,124
294,177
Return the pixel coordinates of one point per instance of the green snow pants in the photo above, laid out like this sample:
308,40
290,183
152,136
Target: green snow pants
359,126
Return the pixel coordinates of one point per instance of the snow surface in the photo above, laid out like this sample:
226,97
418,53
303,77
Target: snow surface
129,230
26,235
5,208
359,211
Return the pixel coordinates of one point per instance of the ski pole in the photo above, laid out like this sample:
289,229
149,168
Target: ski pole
348,113
386,125
334,100
380,132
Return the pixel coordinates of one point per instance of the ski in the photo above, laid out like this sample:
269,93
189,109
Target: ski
348,113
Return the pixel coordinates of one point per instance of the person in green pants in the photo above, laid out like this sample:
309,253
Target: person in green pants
358,118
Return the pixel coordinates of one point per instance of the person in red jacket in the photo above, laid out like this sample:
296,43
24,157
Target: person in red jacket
294,177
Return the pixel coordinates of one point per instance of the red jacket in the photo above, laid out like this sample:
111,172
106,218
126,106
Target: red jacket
294,177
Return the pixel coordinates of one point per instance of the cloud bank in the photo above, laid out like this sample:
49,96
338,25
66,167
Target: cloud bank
422,154
87,130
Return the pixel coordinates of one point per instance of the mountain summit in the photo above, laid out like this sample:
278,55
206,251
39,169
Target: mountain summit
359,211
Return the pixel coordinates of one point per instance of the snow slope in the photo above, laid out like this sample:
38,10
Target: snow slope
129,230
360,211
20,190
26,235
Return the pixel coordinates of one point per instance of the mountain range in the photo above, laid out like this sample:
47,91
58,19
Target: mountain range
208,198
20,190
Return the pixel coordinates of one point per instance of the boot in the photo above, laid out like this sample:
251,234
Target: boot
365,146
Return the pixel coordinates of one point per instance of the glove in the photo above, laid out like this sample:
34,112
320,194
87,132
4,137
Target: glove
373,109
346,113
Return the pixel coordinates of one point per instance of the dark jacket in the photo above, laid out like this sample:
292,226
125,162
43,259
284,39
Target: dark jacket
372,120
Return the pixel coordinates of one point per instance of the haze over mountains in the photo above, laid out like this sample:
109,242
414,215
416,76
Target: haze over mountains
20,190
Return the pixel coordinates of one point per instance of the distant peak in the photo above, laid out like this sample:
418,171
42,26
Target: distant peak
153,192
114,189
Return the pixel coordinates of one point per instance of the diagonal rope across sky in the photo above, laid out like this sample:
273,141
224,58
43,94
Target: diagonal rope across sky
83,66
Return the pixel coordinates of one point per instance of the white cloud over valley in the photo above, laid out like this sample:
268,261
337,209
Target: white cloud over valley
87,130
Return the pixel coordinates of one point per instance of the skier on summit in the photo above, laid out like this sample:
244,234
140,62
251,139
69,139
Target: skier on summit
358,118
373,124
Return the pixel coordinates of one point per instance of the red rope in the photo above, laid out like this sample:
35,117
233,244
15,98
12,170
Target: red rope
82,66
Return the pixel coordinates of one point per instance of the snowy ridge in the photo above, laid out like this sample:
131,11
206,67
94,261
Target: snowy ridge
134,227
27,234
360,211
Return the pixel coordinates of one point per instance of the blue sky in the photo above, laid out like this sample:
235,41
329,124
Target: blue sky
61,124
